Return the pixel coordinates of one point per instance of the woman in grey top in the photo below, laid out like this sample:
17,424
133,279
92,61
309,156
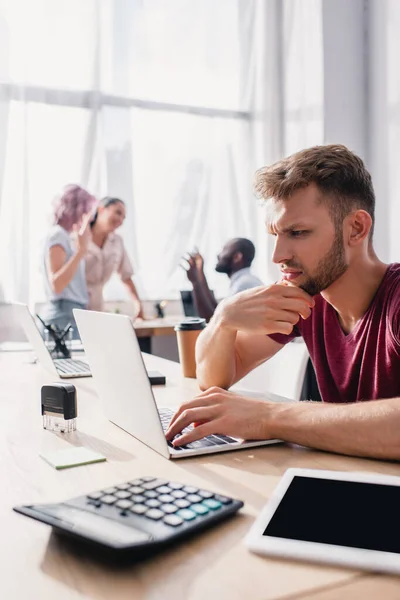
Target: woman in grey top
65,248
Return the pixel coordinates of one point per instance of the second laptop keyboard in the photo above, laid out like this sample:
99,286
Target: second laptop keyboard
68,366
166,415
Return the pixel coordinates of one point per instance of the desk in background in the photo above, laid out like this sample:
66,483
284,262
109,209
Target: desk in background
156,327
36,564
146,330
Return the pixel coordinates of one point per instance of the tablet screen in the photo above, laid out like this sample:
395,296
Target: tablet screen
343,513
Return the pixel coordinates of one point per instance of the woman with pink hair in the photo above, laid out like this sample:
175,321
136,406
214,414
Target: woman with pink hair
64,254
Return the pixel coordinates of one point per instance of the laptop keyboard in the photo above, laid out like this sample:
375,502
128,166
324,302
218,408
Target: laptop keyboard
166,415
67,366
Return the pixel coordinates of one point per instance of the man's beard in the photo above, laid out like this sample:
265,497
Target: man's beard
223,268
329,269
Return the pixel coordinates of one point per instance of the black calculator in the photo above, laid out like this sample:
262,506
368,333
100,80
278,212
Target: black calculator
137,517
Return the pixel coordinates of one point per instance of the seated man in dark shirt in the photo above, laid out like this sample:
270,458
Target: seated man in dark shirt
336,293
234,260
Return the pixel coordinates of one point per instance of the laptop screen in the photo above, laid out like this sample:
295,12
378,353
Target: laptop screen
189,307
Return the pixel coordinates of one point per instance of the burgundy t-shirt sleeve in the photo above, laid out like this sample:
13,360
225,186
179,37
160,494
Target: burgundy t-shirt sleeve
394,315
282,338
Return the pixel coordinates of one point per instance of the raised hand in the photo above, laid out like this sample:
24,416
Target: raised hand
198,260
193,264
273,309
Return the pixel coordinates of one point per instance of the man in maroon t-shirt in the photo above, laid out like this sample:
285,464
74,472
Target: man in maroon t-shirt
336,293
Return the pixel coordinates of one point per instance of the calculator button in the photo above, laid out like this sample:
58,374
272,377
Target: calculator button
122,495
124,504
169,508
155,514
164,489
147,478
166,498
181,503
95,495
138,499
190,490
150,494
108,499
175,486
205,494
151,485
152,503
186,514
123,486
110,490
139,509
222,499
200,509
178,494
213,504
194,498
173,520
137,481
136,489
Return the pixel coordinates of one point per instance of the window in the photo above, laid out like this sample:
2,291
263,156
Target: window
154,102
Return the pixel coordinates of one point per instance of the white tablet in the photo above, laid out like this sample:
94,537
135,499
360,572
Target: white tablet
347,519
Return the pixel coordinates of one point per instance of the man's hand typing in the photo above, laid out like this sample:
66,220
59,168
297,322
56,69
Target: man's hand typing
223,412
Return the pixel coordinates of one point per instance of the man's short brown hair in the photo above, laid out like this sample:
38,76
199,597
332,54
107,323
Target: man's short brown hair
339,174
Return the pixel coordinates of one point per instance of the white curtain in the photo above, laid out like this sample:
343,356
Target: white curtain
392,203
169,105
303,77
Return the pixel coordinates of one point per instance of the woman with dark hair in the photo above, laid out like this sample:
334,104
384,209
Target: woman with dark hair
63,264
107,254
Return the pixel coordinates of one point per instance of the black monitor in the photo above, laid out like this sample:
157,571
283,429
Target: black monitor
189,306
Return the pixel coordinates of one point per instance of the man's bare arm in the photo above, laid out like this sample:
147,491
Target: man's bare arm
370,429
236,339
223,356
360,429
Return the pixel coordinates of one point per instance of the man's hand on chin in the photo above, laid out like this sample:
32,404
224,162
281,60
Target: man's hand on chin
223,412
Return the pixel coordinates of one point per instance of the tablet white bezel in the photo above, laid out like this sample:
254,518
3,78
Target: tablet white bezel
313,551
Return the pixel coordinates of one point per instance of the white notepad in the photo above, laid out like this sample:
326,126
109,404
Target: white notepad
72,457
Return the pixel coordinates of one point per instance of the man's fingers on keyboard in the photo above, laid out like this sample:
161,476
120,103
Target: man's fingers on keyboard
190,416
174,418
190,404
196,434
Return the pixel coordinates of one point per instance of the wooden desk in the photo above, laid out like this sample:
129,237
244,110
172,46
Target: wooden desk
156,327
147,329
36,564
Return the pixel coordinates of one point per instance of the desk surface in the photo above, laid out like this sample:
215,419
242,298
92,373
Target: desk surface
37,564
156,327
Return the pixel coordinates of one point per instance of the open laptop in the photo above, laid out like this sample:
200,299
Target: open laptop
188,304
66,368
120,378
